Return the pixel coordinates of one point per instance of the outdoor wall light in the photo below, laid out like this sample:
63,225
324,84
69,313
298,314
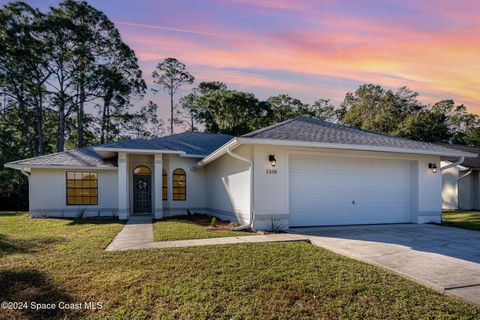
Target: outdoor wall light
273,161
433,166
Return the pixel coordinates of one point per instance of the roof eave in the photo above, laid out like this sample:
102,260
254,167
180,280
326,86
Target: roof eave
30,166
235,142
232,144
296,143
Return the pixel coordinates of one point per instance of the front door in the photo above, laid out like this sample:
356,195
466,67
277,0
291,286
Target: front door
142,193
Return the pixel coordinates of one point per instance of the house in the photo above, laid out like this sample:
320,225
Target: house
461,181
300,172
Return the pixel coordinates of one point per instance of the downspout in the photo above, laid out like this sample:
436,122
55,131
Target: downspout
464,175
451,165
25,173
252,208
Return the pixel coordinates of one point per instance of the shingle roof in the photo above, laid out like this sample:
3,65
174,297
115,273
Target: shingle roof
472,163
192,143
84,157
308,129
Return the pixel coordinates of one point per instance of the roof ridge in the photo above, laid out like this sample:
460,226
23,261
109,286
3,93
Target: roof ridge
278,124
189,132
109,143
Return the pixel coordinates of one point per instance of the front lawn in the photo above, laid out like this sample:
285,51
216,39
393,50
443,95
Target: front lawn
53,260
194,227
466,220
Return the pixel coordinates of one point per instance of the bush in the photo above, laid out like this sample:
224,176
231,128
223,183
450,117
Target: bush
213,222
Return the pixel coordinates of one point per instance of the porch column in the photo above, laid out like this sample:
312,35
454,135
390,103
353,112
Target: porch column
122,186
158,186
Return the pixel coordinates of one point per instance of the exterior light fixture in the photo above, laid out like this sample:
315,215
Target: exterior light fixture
433,166
273,161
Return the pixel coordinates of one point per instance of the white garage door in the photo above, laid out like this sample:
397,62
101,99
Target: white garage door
339,191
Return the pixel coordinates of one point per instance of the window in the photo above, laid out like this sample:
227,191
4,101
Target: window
82,188
142,170
179,180
164,185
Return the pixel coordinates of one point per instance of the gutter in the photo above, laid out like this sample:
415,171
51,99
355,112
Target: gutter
235,142
252,207
454,164
25,173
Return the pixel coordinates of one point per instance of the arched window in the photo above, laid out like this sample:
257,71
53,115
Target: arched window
164,185
142,170
179,180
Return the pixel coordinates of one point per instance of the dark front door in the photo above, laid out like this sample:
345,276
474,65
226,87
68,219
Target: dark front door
142,193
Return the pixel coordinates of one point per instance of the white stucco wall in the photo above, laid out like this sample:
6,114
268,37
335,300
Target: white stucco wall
196,193
449,187
271,190
48,194
228,186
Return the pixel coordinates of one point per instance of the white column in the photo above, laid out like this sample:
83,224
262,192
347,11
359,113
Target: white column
122,186
158,186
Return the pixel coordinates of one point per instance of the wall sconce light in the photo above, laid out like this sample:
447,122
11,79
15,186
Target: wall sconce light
273,161
433,166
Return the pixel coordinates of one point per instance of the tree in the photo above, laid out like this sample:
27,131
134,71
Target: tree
425,125
189,110
191,104
171,74
205,87
142,124
55,68
284,107
229,111
23,71
105,67
324,110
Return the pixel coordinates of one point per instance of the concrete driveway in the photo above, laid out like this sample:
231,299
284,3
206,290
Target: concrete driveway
442,258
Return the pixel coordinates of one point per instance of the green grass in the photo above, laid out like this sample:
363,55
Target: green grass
193,227
53,260
466,220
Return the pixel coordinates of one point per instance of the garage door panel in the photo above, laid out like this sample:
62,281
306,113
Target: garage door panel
335,191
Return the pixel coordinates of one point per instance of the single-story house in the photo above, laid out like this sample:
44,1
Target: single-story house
461,181
300,172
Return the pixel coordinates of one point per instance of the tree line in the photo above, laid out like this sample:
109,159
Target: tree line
212,106
68,80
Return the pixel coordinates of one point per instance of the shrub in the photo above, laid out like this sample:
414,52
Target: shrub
213,222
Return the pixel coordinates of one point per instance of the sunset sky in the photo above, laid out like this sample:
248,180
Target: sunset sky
310,49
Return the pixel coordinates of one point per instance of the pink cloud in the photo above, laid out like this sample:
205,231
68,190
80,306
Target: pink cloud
436,63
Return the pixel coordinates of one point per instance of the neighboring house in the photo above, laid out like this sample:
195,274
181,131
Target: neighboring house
461,182
300,172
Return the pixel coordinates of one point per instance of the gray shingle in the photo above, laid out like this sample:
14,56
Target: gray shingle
192,143
308,129
84,157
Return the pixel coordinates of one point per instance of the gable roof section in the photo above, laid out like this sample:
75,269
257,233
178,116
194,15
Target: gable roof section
189,143
194,144
304,131
308,129
84,157
472,163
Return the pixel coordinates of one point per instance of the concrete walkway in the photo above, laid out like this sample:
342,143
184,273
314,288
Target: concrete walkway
138,234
